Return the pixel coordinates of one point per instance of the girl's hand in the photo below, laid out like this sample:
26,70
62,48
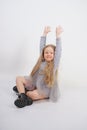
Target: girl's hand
59,30
47,29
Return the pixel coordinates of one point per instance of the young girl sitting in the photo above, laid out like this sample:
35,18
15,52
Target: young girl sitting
42,82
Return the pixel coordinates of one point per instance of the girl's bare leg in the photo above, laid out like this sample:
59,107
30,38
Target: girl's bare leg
35,95
20,81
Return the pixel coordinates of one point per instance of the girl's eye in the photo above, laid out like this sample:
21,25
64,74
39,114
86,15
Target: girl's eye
46,52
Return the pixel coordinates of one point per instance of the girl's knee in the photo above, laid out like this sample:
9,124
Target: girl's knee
19,79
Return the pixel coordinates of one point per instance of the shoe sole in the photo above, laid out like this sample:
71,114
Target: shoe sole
21,103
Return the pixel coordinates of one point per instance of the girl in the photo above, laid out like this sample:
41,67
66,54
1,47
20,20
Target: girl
42,82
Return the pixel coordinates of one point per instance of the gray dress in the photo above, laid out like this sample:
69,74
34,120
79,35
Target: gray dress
37,79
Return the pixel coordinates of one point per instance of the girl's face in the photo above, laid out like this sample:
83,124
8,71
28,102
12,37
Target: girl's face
48,54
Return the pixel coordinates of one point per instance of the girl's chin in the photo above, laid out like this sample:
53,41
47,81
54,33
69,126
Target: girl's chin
48,60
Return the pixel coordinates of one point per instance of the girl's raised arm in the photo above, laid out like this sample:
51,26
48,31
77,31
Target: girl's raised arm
59,30
43,38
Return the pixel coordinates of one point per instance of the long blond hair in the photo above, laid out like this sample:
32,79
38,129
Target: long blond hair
48,70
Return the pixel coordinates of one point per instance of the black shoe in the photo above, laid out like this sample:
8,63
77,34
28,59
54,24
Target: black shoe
15,89
23,100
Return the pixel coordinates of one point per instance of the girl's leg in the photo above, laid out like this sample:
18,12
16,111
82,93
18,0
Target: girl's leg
22,100
35,95
20,82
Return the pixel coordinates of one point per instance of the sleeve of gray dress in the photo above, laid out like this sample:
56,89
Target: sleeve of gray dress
57,54
42,43
55,93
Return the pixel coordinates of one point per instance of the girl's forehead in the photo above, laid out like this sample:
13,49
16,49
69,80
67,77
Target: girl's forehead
49,48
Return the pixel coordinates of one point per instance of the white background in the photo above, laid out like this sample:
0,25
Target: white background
21,25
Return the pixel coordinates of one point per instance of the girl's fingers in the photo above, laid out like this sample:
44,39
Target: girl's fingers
59,29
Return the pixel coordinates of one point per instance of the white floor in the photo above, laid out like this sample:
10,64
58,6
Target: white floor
69,113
